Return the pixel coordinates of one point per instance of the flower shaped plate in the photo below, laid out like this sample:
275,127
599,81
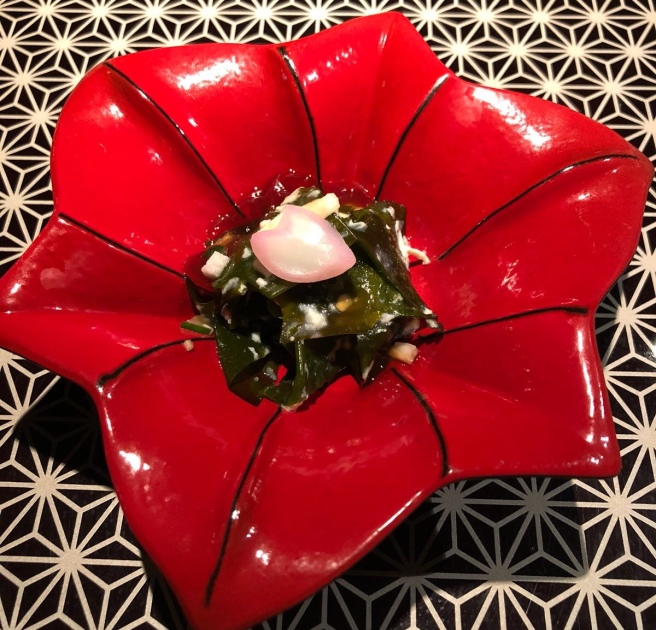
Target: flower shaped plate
529,212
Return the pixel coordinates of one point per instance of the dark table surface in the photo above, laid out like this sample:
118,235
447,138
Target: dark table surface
515,553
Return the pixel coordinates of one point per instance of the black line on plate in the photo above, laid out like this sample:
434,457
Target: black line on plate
427,99
547,179
209,590
431,418
536,311
297,81
182,135
114,243
137,357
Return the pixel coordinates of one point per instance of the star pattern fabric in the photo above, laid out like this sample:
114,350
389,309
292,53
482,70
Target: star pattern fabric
513,553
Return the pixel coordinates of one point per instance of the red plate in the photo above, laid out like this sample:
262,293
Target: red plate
528,210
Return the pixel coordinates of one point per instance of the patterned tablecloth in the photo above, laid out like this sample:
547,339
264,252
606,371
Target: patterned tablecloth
513,553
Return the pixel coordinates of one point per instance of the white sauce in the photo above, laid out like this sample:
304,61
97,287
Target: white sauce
419,254
401,242
230,285
407,250
314,320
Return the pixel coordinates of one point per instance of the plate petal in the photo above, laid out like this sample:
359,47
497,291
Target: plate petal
521,396
122,168
79,305
214,463
474,149
177,444
562,244
238,106
363,82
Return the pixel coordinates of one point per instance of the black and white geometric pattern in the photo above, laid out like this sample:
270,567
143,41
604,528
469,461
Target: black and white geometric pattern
545,554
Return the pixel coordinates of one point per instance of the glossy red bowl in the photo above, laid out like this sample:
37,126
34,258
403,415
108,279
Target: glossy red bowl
528,210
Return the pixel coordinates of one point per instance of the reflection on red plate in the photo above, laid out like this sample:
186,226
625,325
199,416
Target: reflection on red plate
529,212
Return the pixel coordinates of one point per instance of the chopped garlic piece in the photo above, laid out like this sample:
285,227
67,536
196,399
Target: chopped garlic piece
225,239
324,206
344,302
291,197
215,265
269,224
404,352
261,283
188,344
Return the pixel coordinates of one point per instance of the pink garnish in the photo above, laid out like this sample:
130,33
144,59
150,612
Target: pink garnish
300,246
